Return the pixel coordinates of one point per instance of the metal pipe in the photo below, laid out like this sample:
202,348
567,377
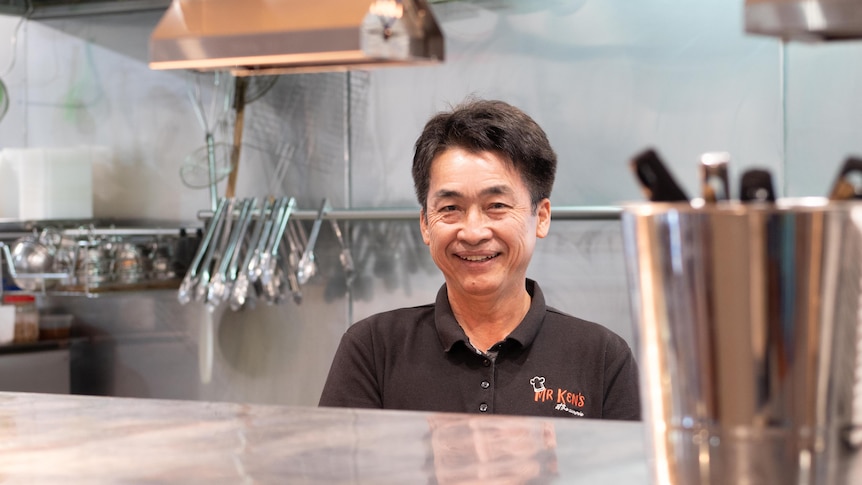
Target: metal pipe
574,213
125,231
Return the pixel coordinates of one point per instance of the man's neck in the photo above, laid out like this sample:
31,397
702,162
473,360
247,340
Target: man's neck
488,321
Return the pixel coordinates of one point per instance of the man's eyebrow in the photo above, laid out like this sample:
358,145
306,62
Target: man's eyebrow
498,190
454,194
447,194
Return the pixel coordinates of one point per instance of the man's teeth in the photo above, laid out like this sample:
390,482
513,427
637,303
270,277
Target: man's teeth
477,258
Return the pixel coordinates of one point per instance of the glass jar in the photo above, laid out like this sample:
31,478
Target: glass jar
26,317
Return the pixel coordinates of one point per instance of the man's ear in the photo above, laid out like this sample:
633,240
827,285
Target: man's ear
423,224
543,218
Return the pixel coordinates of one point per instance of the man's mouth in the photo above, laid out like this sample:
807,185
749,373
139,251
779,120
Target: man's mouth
478,259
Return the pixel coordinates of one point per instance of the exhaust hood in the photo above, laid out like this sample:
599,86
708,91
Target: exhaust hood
250,37
805,20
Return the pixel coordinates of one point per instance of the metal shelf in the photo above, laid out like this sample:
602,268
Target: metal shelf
79,230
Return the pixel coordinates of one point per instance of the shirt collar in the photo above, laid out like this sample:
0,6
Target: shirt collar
450,332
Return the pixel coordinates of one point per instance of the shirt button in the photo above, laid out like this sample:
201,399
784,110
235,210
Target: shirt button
486,362
483,407
486,384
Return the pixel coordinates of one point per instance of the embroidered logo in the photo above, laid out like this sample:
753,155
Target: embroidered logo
563,399
538,384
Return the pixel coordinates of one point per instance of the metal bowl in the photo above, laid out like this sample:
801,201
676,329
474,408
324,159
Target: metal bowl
29,257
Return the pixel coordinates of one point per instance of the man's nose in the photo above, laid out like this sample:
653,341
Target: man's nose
476,227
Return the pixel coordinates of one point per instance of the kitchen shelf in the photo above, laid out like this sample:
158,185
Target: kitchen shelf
121,232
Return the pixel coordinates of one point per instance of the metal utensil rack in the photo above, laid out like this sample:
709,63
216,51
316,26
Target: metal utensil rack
284,261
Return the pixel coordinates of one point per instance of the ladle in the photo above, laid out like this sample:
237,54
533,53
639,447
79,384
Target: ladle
307,266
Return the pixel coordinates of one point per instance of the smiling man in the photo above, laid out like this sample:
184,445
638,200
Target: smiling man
483,175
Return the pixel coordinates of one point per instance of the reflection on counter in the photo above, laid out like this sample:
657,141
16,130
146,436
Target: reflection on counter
503,450
103,440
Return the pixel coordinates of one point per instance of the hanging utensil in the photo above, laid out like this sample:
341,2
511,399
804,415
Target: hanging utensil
206,271
264,245
255,268
217,291
245,224
287,252
755,185
270,264
185,293
713,176
239,292
345,257
221,95
656,181
307,265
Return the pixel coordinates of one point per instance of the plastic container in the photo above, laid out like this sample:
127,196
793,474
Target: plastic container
55,327
26,317
50,183
7,324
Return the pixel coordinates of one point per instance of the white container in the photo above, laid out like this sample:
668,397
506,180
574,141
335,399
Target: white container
52,183
7,324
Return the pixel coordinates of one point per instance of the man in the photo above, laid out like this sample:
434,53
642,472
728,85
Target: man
483,175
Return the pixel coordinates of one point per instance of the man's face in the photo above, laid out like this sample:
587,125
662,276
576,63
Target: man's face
479,224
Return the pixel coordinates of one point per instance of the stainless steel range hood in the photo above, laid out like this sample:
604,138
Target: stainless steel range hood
251,37
805,20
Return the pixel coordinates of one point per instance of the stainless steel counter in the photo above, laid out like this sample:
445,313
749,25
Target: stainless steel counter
52,439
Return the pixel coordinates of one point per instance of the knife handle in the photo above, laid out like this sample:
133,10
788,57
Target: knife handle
655,179
755,185
848,183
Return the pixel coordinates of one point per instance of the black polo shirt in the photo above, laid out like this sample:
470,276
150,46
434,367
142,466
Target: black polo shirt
419,358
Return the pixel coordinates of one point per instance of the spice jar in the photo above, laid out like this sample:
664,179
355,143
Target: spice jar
26,317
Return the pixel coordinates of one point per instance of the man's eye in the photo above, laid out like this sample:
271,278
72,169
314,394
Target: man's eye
498,206
448,208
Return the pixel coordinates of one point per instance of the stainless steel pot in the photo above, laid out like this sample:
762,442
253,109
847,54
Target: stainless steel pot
746,319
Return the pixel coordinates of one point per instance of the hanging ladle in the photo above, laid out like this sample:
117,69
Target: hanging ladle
307,266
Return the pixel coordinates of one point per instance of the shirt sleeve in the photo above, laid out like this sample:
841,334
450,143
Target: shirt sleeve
622,393
352,381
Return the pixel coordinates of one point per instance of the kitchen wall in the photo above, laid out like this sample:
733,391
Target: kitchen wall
605,79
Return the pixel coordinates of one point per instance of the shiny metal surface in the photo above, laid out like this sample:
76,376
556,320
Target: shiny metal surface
746,317
805,20
102,440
